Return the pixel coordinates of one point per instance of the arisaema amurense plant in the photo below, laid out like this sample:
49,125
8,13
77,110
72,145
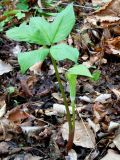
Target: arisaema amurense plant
41,32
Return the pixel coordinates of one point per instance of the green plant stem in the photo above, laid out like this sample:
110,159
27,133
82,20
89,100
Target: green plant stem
63,95
73,114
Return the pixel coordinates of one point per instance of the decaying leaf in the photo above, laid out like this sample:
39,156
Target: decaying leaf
99,2
4,67
114,45
84,136
110,8
85,98
16,115
113,125
99,112
2,108
95,127
116,141
29,156
52,71
4,148
72,155
57,96
102,98
59,108
36,68
111,155
16,50
107,15
30,129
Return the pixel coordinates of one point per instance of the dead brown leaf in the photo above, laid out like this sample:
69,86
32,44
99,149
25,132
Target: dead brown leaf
4,67
114,45
99,2
2,108
99,112
84,136
17,115
111,155
107,15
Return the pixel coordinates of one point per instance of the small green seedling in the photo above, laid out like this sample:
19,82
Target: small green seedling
10,90
41,32
96,75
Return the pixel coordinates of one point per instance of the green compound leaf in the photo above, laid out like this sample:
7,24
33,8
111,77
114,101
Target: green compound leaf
81,70
32,33
63,51
63,24
43,30
21,33
27,59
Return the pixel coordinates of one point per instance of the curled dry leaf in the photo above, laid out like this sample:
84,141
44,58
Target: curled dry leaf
72,155
4,148
114,45
117,93
52,71
57,97
102,98
111,155
93,60
2,108
36,68
27,83
113,125
30,129
4,67
116,141
16,50
59,108
116,29
95,127
99,2
5,127
111,8
29,157
16,115
105,21
99,112
86,99
106,15
84,136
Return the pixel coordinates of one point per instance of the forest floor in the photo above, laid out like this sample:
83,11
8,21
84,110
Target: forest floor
32,115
